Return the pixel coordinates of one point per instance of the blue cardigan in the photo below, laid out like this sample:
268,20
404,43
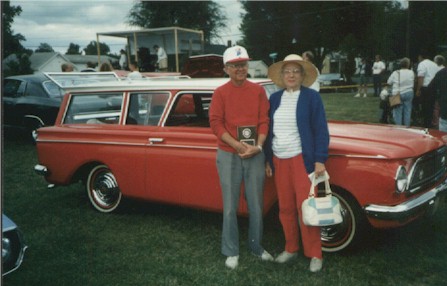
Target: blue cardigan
312,127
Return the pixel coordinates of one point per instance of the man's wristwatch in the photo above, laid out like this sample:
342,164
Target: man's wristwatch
260,147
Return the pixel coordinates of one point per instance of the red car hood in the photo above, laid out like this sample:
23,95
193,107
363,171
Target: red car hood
387,141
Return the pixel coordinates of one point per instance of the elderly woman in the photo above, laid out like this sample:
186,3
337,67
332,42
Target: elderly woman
402,81
297,145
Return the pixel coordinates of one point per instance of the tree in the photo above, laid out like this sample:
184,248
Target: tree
354,27
11,43
44,48
20,66
201,15
73,49
427,27
92,48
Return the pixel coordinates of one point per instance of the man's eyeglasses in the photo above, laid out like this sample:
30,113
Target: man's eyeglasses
289,72
237,66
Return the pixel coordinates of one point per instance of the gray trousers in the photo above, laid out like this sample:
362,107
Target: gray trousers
232,172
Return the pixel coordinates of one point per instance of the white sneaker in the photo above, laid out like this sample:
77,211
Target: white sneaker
265,256
357,95
364,95
315,264
285,257
232,262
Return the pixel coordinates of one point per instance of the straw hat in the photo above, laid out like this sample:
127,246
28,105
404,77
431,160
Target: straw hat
310,70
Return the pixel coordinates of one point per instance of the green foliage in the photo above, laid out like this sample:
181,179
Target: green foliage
201,15
10,41
353,27
19,67
44,48
73,49
92,48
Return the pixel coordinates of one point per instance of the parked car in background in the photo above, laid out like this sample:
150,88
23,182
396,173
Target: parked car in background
30,101
204,66
13,246
152,141
331,81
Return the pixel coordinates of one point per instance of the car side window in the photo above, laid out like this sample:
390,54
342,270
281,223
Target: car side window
190,109
53,89
14,88
103,108
146,108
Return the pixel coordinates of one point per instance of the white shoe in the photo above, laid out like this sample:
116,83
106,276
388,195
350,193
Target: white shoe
232,262
315,264
285,257
265,256
357,95
364,95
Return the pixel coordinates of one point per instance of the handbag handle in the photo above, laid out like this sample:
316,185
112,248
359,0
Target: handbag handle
315,182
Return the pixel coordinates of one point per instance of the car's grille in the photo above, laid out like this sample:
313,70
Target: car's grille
428,169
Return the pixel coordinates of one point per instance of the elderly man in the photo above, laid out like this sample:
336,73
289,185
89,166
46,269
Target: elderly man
239,118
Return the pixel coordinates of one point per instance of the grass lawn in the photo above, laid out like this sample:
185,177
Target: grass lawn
143,243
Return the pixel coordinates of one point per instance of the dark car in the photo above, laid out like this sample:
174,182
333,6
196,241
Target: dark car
331,81
204,66
13,246
30,101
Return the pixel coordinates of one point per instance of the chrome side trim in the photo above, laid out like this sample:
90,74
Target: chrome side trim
36,118
360,156
405,210
129,144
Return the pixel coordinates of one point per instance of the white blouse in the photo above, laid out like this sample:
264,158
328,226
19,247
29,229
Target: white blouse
286,139
401,80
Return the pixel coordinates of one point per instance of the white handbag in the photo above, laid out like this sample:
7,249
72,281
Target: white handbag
321,211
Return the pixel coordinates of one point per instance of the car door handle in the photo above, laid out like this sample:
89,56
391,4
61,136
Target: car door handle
155,140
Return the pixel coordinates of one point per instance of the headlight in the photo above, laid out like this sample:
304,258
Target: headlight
401,179
6,249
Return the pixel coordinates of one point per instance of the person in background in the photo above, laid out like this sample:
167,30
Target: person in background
426,71
402,81
105,67
240,107
162,61
134,72
123,60
439,86
297,145
363,82
309,56
66,67
439,61
377,69
90,67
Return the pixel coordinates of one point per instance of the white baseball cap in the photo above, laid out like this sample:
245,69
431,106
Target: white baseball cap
235,54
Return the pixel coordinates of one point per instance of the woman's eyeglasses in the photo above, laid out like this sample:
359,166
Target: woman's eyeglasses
290,72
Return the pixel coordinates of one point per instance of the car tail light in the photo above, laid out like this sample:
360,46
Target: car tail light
401,179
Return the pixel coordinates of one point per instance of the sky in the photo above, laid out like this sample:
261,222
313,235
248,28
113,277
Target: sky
62,22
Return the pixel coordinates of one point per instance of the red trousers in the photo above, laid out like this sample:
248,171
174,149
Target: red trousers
292,185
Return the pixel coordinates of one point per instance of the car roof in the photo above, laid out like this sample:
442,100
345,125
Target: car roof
37,77
158,83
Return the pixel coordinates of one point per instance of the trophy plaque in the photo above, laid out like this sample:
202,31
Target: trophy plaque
247,134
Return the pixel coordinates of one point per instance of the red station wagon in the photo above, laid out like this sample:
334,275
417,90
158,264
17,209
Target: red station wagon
151,140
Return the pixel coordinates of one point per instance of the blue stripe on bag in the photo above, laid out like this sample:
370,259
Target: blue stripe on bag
326,221
324,211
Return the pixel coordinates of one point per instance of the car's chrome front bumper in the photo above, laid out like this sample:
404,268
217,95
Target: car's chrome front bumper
409,208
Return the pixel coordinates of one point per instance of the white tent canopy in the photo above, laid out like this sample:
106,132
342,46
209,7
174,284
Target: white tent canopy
174,40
